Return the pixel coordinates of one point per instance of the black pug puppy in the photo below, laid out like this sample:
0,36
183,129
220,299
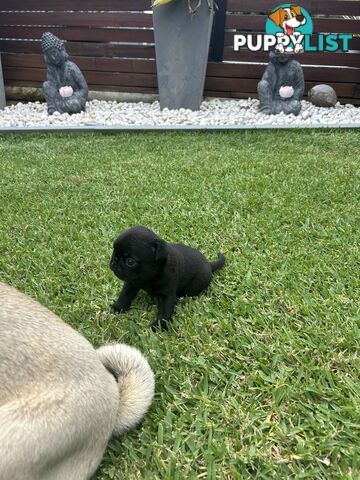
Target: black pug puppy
164,270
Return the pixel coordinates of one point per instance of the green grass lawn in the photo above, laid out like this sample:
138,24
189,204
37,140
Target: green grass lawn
259,376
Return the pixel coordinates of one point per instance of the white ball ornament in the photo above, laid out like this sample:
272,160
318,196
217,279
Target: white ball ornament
66,91
286,92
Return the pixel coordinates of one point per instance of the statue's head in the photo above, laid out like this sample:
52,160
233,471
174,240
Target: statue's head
53,49
278,57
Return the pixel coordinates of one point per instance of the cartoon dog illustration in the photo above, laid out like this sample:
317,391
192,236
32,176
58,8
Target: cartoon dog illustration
289,19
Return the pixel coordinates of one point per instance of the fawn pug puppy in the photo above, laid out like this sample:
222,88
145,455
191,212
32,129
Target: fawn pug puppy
60,399
164,270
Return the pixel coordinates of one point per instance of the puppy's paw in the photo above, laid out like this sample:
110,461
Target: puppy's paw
120,307
160,325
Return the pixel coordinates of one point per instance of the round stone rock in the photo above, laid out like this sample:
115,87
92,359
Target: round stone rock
322,96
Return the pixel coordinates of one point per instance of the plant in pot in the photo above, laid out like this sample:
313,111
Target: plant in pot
182,31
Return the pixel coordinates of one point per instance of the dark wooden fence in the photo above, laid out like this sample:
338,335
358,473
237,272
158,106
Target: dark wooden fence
112,41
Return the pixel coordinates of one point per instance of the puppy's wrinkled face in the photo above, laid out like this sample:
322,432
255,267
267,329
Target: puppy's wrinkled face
138,255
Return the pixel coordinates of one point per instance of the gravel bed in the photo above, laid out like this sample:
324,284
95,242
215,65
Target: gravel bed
212,113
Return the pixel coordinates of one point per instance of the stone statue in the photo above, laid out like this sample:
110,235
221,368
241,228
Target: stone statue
282,85
65,89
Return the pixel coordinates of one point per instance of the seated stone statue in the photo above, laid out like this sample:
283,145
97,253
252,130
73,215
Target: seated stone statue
65,89
282,85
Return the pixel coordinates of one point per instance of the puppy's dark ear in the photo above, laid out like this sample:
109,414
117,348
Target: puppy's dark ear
160,250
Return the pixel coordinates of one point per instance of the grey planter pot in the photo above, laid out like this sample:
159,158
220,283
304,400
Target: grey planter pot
182,47
2,89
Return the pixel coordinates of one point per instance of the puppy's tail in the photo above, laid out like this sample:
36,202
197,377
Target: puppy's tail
219,263
135,381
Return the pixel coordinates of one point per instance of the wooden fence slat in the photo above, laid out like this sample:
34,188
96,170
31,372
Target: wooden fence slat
148,80
250,85
321,25
131,89
96,78
131,20
107,88
143,51
138,35
61,5
118,19
101,64
145,90
108,34
79,48
317,58
251,70
110,50
314,7
111,35
217,84
228,70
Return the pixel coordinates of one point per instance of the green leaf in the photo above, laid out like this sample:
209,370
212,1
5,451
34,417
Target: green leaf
160,2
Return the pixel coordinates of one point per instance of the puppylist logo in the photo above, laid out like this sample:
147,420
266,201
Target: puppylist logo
289,28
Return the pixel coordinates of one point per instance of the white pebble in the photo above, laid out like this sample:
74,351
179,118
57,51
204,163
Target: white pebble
215,112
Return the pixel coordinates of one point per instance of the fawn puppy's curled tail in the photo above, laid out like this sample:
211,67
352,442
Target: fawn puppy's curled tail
135,383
